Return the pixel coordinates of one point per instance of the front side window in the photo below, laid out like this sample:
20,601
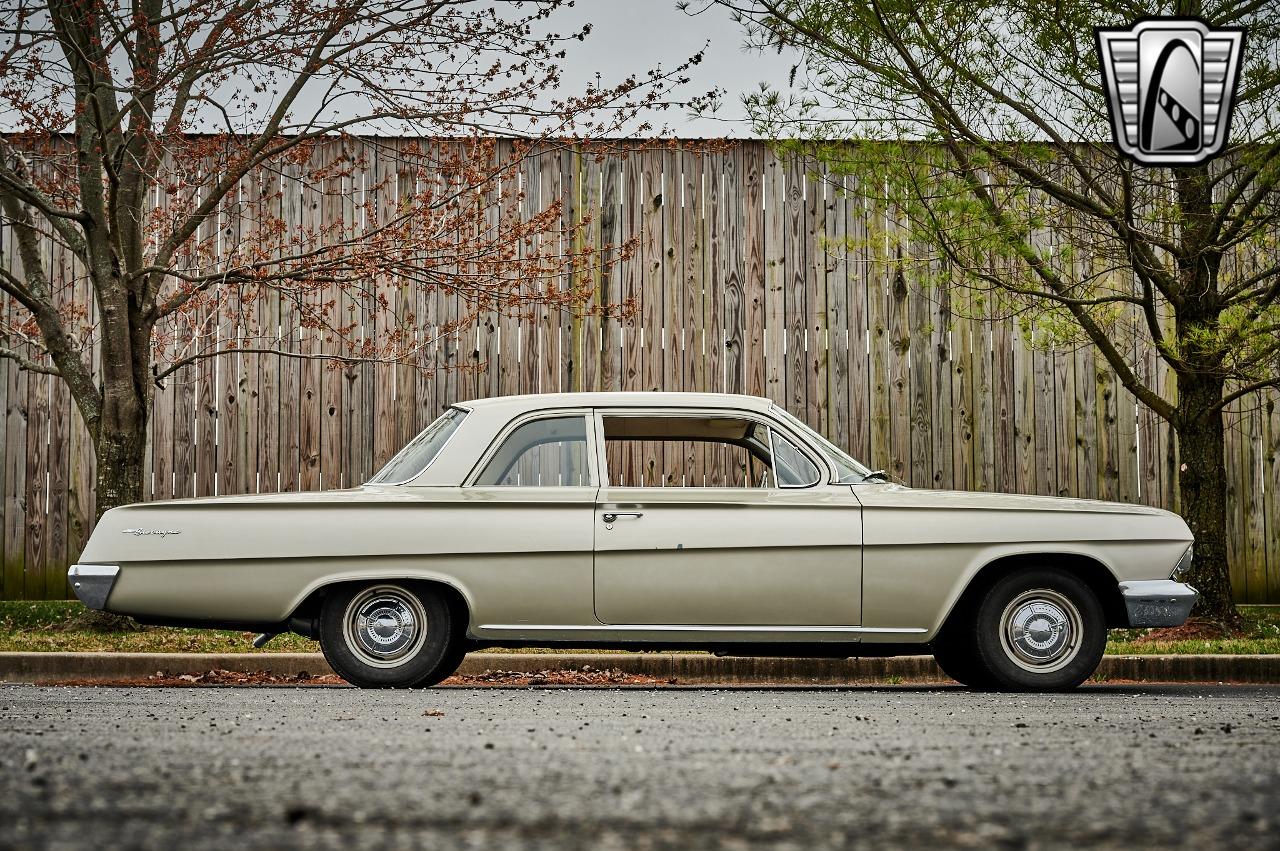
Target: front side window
794,469
851,472
550,452
409,462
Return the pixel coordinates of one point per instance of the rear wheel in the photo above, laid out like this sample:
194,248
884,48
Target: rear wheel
388,635
1039,630
447,667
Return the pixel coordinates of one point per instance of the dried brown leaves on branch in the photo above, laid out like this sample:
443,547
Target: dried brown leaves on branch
163,166
453,216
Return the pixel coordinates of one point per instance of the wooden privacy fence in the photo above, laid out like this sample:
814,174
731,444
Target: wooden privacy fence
750,276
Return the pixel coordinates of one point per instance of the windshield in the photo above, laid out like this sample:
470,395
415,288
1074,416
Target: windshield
851,472
420,451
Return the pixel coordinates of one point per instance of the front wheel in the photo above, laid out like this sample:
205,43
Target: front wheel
958,659
1039,630
389,635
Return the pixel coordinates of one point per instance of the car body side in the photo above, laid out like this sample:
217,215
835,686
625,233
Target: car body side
525,560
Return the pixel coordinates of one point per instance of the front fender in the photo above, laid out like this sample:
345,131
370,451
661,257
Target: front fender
918,586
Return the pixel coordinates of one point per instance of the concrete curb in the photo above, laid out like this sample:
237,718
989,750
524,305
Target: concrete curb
683,668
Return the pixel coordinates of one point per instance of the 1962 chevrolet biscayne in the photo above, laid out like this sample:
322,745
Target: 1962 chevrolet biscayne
556,520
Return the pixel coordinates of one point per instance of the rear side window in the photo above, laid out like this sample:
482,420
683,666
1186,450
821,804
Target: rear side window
420,451
701,450
550,452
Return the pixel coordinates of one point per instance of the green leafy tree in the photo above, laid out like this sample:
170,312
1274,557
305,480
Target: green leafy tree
985,124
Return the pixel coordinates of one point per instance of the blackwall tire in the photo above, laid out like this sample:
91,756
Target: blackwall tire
957,656
1039,630
447,667
387,634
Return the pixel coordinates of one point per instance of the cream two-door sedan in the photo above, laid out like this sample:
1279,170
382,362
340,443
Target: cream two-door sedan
647,521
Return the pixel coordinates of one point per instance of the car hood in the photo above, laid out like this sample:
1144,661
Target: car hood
900,497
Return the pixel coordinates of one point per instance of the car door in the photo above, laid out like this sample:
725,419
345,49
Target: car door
531,501
766,554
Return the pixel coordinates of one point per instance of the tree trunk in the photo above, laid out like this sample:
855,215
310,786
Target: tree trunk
120,435
120,447
120,454
1202,486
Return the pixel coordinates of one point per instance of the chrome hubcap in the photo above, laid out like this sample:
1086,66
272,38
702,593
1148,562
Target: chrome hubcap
384,626
1041,630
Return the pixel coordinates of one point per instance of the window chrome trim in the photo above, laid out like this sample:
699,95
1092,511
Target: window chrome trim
597,438
466,412
524,419
773,458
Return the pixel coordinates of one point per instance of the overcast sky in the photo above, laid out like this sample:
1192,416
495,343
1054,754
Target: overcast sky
632,36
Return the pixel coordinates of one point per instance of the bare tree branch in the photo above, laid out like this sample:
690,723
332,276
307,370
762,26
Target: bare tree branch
1247,390
26,363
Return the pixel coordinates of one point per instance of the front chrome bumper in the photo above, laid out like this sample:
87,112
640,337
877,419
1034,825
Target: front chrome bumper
1158,602
93,582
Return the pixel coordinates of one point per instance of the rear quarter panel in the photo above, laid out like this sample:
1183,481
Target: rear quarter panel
515,557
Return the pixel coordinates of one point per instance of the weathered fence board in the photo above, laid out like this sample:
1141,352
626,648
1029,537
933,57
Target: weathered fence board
750,274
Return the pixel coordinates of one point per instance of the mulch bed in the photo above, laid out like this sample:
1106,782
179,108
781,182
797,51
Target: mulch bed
1192,630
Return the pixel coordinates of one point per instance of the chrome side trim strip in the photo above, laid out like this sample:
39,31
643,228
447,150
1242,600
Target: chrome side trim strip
522,627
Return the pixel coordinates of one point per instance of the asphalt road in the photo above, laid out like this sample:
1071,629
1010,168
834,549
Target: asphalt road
1109,766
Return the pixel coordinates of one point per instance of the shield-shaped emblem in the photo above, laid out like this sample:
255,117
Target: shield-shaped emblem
1170,84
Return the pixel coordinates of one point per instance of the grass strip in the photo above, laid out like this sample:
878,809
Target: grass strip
69,627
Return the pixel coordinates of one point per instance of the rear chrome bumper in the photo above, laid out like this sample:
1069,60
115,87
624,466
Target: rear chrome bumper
93,582
1158,602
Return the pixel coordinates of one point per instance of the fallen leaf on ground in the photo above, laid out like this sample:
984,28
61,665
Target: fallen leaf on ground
214,677
586,676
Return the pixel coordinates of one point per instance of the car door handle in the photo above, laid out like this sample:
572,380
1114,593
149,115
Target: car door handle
614,516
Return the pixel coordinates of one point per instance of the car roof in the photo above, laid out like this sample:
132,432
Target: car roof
536,401
488,417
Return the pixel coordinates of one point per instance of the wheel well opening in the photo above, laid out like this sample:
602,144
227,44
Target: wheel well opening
306,615
1094,574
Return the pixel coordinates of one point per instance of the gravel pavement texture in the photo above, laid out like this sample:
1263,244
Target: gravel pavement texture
1108,766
